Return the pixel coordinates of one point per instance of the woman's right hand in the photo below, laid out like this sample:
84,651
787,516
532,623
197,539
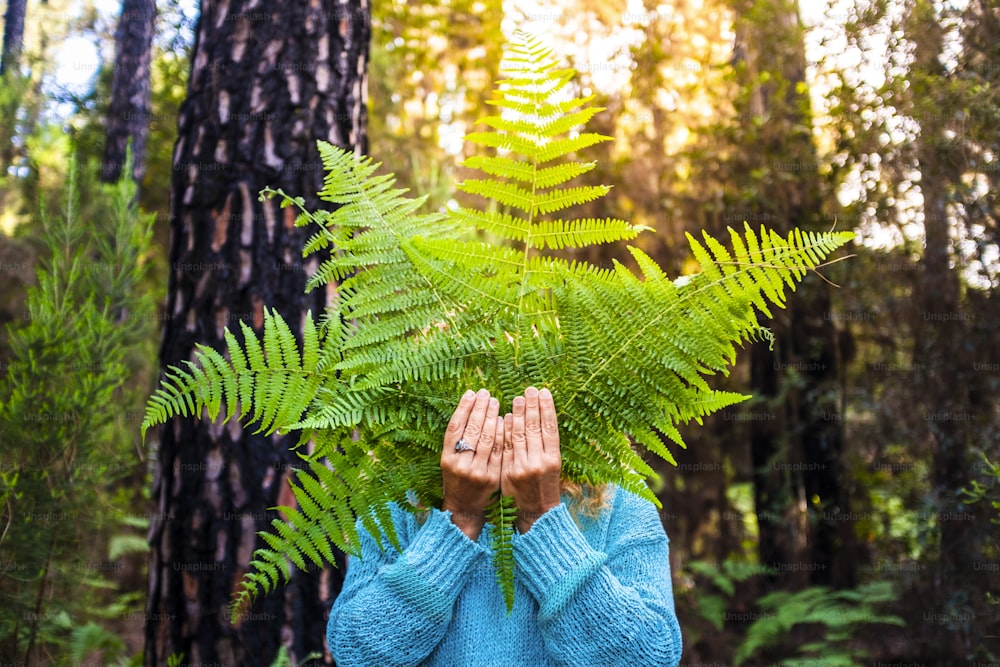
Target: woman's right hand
470,478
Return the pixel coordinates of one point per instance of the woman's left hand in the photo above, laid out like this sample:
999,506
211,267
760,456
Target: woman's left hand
531,468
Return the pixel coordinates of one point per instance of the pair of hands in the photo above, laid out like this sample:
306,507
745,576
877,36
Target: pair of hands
517,455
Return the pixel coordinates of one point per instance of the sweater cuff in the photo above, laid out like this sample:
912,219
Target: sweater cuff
435,566
554,560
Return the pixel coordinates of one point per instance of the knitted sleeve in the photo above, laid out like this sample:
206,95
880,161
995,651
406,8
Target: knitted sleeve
395,608
614,608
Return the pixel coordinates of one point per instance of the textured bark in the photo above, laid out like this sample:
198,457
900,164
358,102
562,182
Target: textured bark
265,84
800,502
128,112
13,35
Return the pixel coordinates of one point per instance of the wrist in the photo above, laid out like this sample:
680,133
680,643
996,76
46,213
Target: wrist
470,523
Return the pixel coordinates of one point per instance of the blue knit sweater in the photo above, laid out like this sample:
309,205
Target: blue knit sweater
594,596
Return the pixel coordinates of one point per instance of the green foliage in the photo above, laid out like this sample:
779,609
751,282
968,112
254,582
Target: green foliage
712,606
90,638
427,309
431,68
12,91
254,378
988,489
63,449
841,613
282,659
813,627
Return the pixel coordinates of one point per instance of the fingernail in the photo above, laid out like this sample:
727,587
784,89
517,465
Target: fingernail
468,394
494,403
545,392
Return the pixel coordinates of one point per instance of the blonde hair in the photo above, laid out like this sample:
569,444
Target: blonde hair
586,500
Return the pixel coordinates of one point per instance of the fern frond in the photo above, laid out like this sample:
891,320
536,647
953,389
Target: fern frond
328,492
431,304
502,514
272,382
558,234
708,315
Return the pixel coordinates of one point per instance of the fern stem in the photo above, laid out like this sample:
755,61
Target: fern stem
527,247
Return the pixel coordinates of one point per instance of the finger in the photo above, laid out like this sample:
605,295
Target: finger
474,427
506,454
532,422
498,439
517,431
456,425
495,462
550,424
486,440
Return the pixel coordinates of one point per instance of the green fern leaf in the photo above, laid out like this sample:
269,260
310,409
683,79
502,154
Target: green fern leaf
502,514
431,304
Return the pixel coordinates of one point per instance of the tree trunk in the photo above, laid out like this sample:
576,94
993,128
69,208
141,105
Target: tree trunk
128,113
264,86
801,506
13,36
10,56
942,354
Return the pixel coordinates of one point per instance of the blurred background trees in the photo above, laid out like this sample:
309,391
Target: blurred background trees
847,510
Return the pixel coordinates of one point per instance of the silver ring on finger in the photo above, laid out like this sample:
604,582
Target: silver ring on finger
463,446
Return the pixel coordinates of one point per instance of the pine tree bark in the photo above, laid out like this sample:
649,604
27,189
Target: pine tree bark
129,108
13,35
265,84
796,453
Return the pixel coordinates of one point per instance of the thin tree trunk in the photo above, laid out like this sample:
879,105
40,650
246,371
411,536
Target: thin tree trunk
801,506
941,358
13,36
37,614
128,112
10,57
265,84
